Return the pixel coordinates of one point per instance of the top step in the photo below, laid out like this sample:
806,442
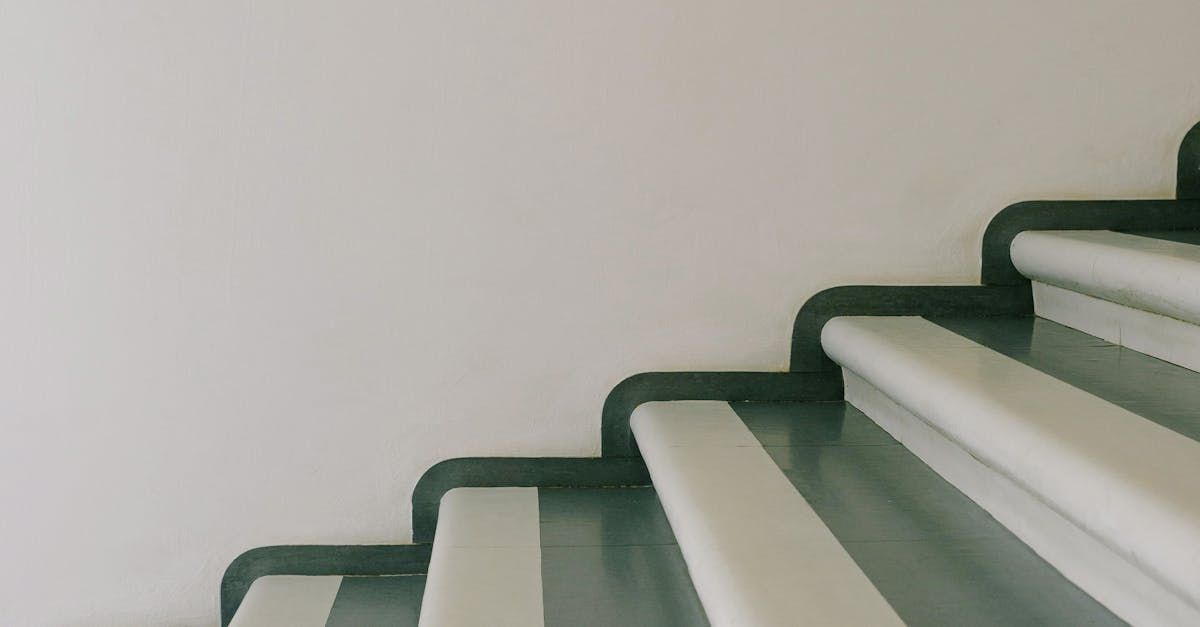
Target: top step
1137,290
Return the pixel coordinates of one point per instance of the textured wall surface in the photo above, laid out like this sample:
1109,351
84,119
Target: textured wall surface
264,261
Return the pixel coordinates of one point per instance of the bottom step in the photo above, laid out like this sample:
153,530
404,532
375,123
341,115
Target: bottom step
331,601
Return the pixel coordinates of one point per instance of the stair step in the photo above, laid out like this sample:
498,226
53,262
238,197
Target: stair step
757,552
1107,496
331,601
556,556
486,560
1137,290
1156,390
937,557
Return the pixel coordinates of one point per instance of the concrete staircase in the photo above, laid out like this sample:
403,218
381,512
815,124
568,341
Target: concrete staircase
1023,452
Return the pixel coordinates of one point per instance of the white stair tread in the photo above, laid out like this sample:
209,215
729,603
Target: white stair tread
757,552
287,601
1137,291
1155,275
486,563
1128,482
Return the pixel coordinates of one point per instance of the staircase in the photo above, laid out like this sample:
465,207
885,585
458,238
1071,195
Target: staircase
1021,452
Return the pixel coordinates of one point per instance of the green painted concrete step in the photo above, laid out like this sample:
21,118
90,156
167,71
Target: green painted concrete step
1161,392
331,601
609,558
937,557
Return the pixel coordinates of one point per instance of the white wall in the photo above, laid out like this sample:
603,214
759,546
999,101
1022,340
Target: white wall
265,261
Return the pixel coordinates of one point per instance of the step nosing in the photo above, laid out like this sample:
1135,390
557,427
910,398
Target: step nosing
1126,268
